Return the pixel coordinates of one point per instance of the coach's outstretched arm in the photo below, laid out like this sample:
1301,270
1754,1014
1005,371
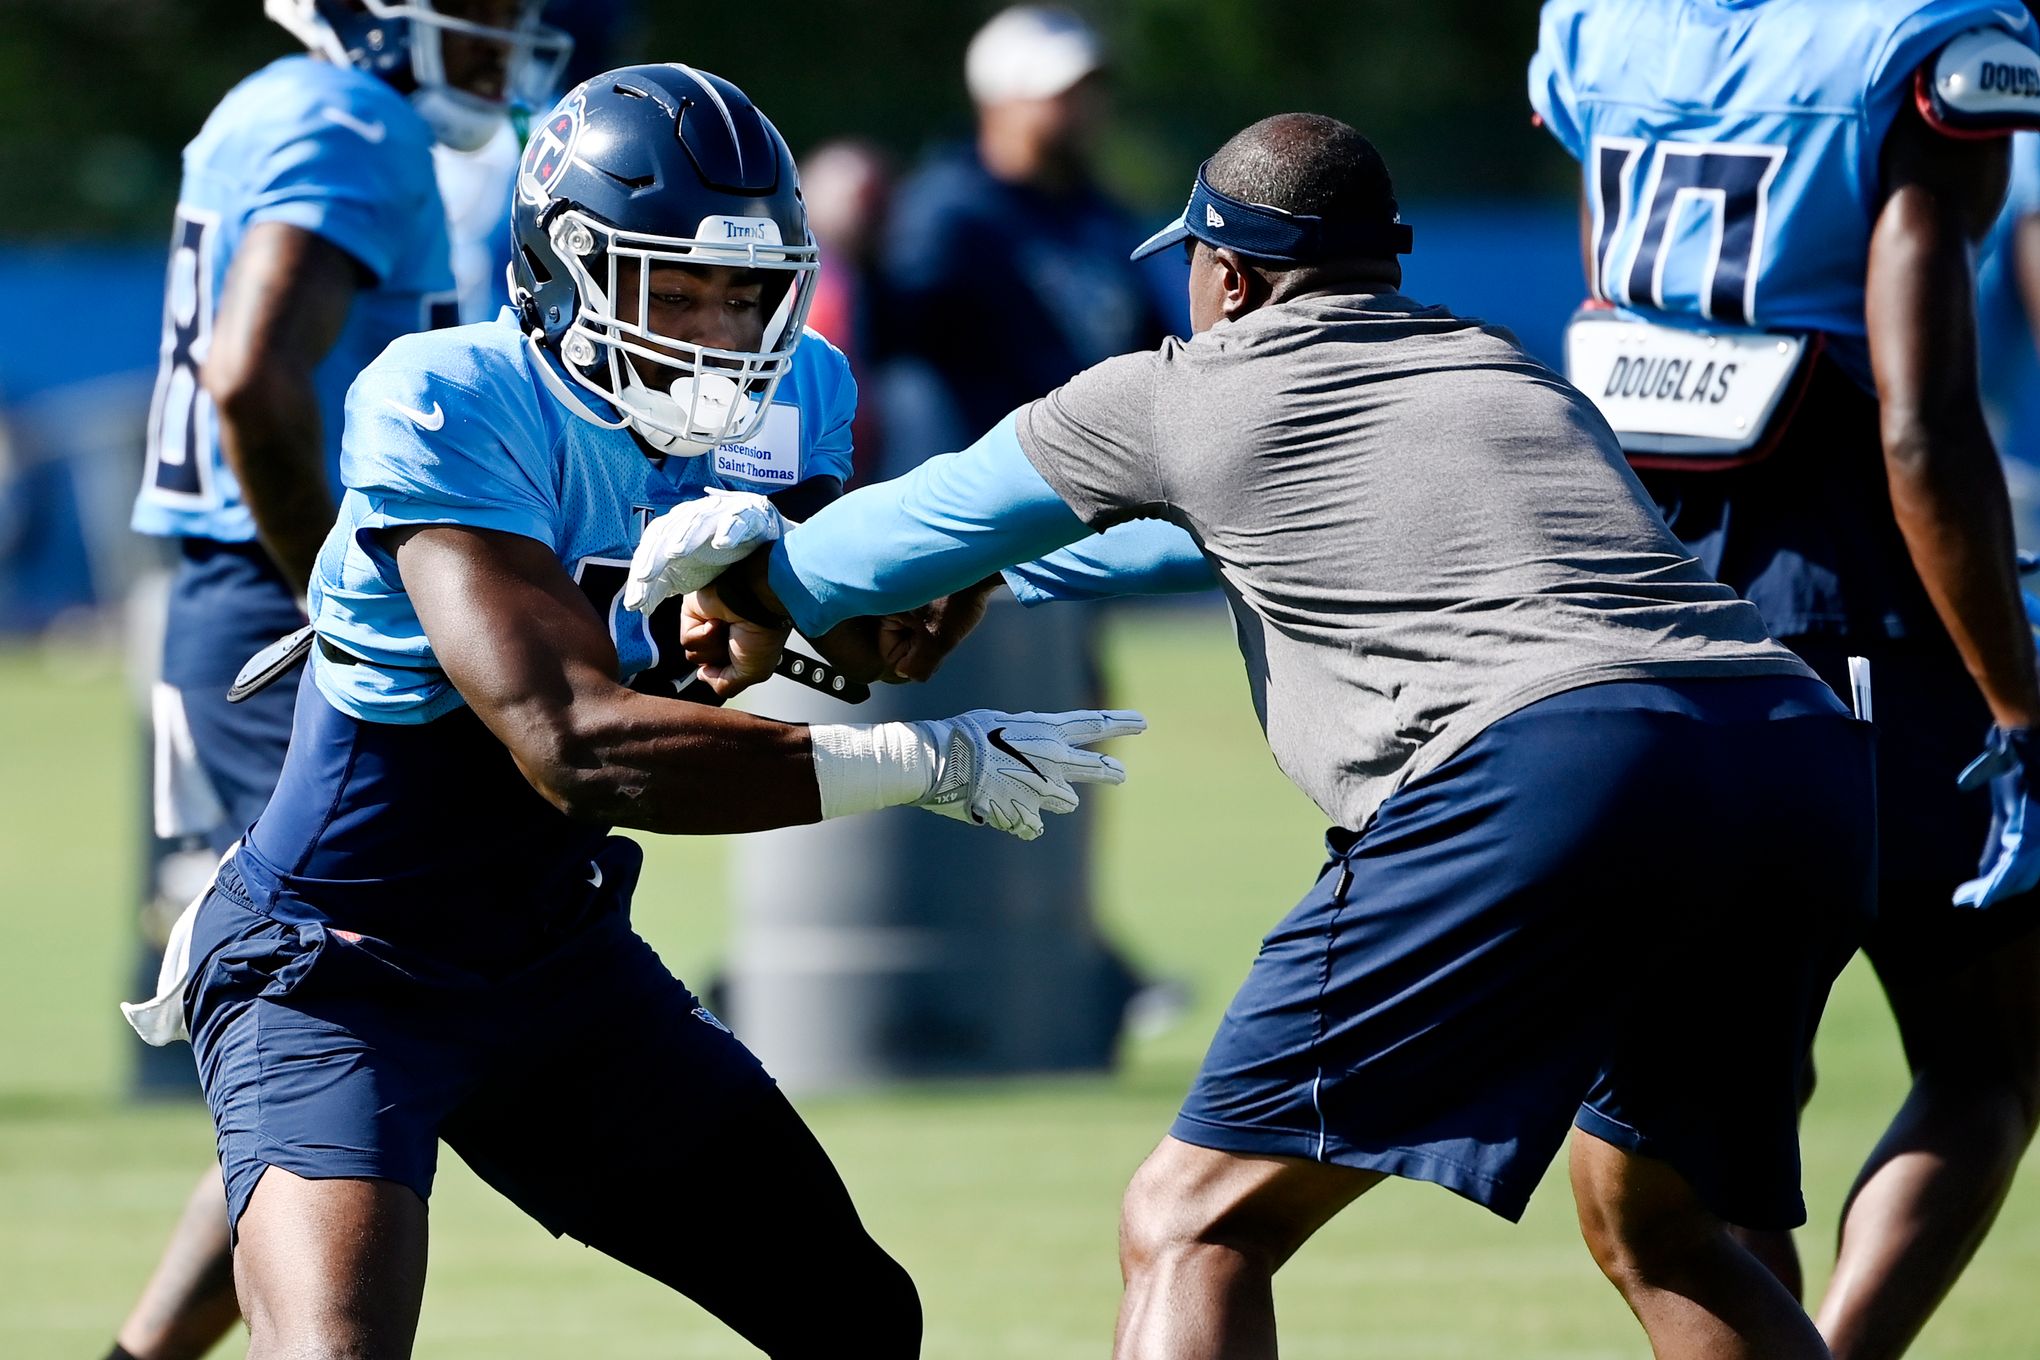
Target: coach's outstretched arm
530,656
941,529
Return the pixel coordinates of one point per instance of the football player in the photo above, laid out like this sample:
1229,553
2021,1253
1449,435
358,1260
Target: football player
308,235
1781,199
425,935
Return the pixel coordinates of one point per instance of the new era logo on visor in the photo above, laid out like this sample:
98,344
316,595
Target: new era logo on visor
1211,217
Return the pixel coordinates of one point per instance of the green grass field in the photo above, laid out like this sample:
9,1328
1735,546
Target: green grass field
1001,1199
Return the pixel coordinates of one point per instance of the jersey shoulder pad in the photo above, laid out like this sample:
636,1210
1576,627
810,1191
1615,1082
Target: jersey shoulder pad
447,413
826,354
1985,83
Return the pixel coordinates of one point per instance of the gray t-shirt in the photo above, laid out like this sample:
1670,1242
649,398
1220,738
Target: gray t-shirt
1420,528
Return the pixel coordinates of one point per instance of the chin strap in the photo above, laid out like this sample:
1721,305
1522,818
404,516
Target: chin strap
560,388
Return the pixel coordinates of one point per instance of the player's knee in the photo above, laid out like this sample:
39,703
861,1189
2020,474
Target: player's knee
1998,1097
1161,1216
1639,1235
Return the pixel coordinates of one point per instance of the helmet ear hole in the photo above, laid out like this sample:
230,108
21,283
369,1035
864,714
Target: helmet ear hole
540,275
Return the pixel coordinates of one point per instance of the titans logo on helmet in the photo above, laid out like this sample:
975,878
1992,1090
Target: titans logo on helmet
550,152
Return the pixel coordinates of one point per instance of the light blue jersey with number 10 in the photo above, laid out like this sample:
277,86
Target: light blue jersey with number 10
336,152
1730,147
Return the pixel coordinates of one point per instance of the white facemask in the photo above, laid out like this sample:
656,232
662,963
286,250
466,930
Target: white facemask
459,120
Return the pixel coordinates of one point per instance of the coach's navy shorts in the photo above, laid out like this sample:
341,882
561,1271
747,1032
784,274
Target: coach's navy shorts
331,1054
1622,906
227,602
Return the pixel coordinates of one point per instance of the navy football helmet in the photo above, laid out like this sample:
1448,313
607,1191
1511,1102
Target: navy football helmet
643,167
402,41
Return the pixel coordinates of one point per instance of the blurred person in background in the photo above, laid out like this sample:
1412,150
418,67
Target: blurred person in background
1002,272
1005,266
2008,335
1787,195
475,185
848,186
309,234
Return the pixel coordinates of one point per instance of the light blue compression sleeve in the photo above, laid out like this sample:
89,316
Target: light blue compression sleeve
1139,557
953,521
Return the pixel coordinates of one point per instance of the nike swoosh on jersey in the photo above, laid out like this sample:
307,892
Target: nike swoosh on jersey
997,737
2012,19
368,132
424,420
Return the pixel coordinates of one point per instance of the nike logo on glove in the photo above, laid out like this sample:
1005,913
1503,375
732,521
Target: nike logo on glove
423,420
368,132
997,737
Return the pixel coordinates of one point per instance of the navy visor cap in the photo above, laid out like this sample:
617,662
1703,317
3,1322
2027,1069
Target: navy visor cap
1260,232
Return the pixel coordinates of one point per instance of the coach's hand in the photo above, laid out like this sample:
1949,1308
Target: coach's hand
1004,770
2011,857
691,544
733,652
914,645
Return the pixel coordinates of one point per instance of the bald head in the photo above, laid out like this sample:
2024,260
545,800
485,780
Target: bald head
1311,166
1306,163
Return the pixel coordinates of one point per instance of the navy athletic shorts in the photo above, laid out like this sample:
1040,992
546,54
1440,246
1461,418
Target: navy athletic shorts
227,602
335,1055
1622,906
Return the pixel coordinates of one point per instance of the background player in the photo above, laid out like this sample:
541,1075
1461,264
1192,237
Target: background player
309,234
1472,642
1820,171
425,935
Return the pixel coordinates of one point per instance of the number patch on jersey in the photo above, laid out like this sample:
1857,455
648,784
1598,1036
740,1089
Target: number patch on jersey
180,413
654,640
437,311
1694,210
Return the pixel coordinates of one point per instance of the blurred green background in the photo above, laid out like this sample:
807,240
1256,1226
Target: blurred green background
99,95
1000,1199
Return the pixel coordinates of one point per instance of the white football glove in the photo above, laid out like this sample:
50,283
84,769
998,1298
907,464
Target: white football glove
1004,770
691,544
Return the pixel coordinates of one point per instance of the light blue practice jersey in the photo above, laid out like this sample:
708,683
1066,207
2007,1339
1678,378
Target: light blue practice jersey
334,151
473,426
1730,147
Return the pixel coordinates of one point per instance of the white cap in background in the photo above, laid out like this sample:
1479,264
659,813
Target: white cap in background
1029,52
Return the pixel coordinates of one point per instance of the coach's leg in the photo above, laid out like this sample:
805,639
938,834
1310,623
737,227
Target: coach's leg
1201,1235
188,1303
1932,1187
1698,1292
330,1269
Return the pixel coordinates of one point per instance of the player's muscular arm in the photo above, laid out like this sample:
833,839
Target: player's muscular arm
286,298
1947,489
520,642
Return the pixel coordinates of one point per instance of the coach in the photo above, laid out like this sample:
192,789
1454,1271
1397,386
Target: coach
1600,846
